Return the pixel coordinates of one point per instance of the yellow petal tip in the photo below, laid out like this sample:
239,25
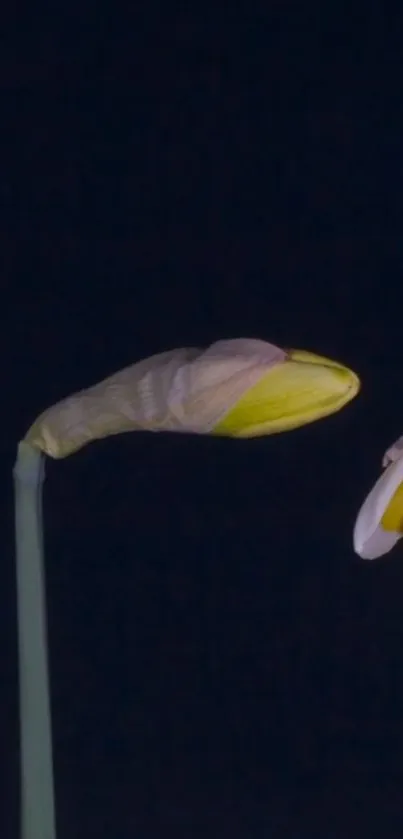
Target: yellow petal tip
300,390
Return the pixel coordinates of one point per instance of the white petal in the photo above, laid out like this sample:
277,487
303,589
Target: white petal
370,539
393,453
380,543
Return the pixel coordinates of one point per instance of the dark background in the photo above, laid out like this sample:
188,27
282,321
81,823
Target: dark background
222,664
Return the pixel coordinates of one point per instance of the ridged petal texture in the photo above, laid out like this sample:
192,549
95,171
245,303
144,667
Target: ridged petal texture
240,388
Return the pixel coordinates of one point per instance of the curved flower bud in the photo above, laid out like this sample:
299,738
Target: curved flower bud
236,388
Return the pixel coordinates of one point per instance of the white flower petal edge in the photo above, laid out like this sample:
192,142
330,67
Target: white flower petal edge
393,453
370,539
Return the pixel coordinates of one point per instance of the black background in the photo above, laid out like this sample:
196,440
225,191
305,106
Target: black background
222,664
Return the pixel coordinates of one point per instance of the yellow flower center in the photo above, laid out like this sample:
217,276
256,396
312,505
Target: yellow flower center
392,518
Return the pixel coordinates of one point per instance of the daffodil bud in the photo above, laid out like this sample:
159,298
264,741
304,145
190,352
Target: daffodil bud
236,388
379,524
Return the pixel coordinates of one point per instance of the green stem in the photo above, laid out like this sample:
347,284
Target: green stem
37,792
